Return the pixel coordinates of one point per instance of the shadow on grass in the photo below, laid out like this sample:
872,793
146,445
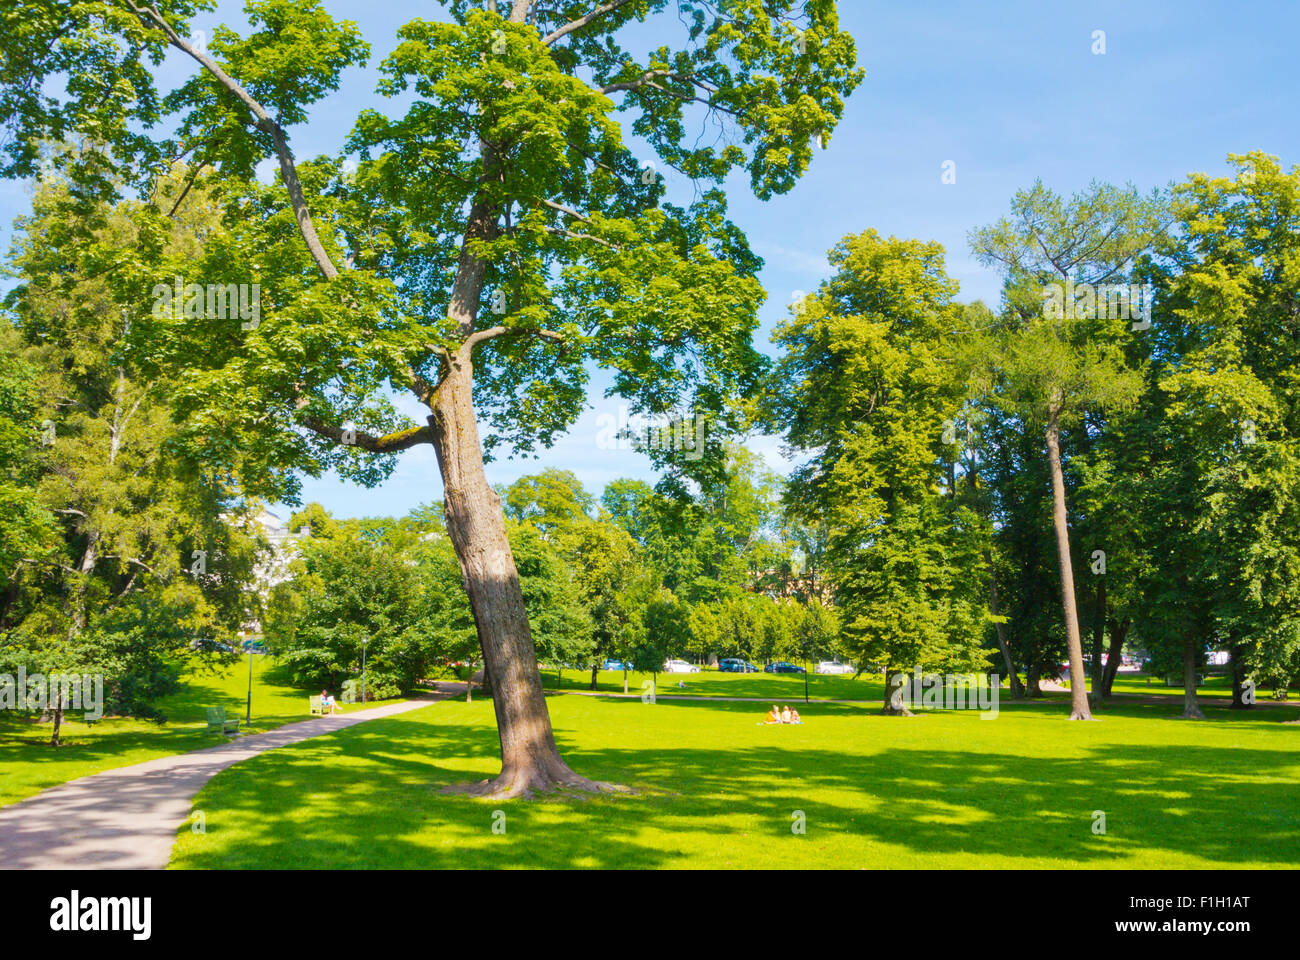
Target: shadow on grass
367,798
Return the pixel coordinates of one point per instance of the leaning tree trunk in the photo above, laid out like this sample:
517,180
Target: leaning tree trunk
1191,709
530,760
1078,690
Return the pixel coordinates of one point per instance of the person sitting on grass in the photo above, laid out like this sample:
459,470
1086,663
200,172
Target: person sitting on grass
773,715
785,715
794,717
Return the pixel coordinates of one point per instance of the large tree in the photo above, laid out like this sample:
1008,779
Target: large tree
154,552
870,385
499,236
1052,367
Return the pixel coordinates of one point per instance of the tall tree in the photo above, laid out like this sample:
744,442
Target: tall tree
1225,460
155,552
870,384
1053,366
505,191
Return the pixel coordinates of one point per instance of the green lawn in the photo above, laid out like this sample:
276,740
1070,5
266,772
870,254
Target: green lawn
869,686
716,789
713,683
28,764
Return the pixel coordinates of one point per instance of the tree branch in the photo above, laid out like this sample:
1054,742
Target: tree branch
288,171
493,332
390,443
582,21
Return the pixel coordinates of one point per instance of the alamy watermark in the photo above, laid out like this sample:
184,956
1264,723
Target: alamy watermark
1086,301
946,691
208,301
684,435
71,691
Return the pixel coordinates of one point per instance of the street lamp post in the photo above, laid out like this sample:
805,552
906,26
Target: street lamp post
248,717
363,670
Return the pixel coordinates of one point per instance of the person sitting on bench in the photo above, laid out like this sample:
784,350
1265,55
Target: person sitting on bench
329,703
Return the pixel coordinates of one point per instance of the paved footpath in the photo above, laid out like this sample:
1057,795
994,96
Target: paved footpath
127,818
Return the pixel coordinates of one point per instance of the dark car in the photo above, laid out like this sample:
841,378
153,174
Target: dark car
780,666
732,665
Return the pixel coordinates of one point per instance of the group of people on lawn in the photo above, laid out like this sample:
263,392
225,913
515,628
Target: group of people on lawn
785,715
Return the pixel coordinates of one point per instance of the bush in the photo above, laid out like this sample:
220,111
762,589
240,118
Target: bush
377,688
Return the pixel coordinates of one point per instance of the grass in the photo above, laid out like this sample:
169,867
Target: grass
714,683
28,764
718,790
870,686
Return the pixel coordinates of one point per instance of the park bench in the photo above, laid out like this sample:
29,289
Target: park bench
220,723
317,706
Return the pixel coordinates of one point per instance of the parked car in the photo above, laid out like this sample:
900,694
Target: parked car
732,665
616,665
833,666
780,666
680,666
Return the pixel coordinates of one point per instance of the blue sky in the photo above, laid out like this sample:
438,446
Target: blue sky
1009,92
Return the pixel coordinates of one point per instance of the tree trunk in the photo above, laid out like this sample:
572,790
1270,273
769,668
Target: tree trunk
58,720
530,760
595,668
895,686
1033,677
1095,669
1191,709
1018,691
1237,670
1115,656
1078,688
625,681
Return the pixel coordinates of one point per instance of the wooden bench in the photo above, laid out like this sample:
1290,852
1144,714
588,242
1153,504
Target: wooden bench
317,706
218,722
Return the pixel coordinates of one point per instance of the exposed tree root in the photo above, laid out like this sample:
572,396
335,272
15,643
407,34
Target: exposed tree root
532,782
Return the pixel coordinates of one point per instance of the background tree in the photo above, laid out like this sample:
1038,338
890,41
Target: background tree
1050,371
1224,459
155,552
869,384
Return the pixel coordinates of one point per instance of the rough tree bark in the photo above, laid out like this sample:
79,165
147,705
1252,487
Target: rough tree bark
530,760
1079,709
